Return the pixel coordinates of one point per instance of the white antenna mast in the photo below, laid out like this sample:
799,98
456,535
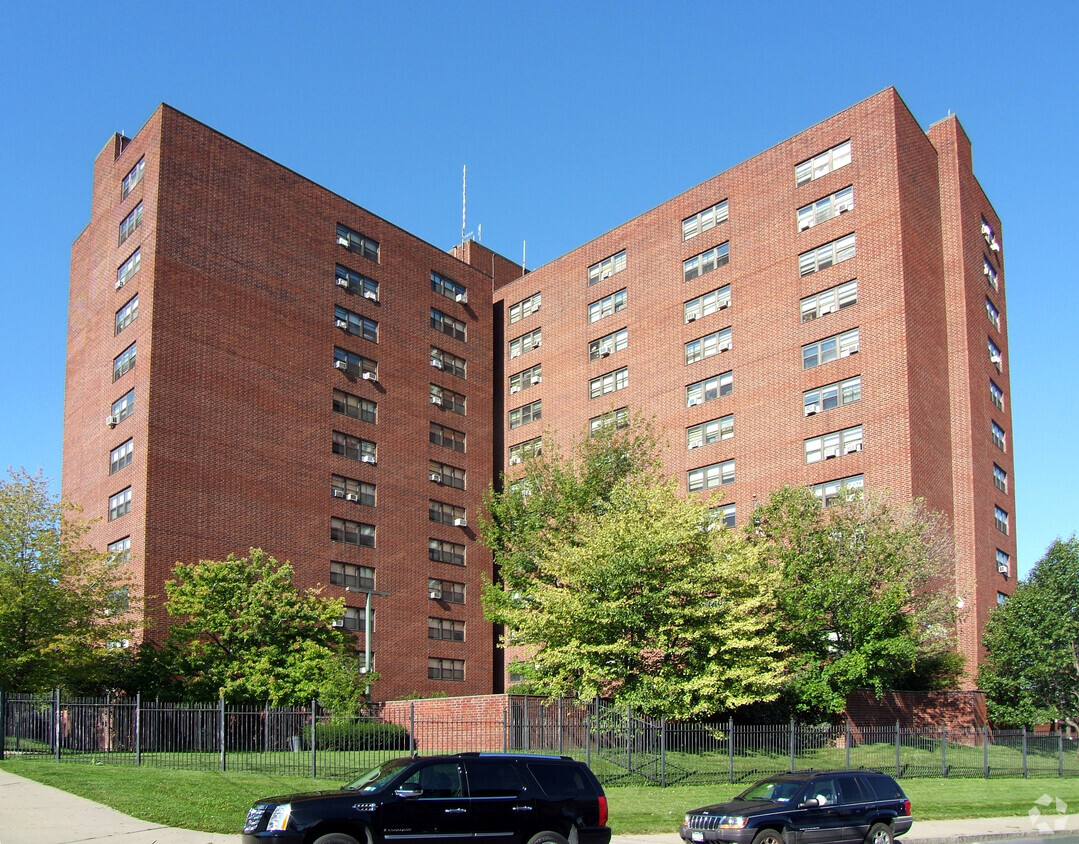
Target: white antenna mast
524,254
464,197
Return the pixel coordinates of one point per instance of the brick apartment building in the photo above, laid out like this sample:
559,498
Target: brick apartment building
253,360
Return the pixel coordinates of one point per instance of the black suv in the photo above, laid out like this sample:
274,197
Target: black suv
808,806
496,798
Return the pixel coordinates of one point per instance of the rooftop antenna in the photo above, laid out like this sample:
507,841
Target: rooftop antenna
464,198
524,254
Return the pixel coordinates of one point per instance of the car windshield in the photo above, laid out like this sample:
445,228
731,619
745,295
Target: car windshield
774,791
376,778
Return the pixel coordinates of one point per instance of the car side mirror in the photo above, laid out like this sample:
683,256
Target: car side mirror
811,803
408,791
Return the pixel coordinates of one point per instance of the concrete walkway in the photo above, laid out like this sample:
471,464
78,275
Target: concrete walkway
31,813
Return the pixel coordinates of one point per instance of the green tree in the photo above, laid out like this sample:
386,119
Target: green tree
63,606
617,586
1031,670
864,601
246,632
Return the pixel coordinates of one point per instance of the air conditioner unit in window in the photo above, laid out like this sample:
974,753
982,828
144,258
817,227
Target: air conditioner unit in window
995,359
724,305
112,421
691,318
460,522
435,594
604,352
340,323
994,246
514,461
803,226
986,231
368,458
370,376
436,400
831,454
693,402
437,364
695,445
341,282
434,476
342,241
120,282
812,409
370,294
725,346
536,345
853,447
338,622
351,496
825,309
514,390
514,352
462,298
337,493
536,379
340,364
605,274
1002,568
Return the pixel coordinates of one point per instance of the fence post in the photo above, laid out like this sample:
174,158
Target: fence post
662,751
985,750
1060,752
266,727
314,770
3,722
587,738
730,749
56,721
506,728
560,726
221,729
898,756
943,751
138,729
792,745
527,726
629,738
846,742
1024,752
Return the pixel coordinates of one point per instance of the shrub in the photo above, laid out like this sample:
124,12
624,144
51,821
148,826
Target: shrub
360,735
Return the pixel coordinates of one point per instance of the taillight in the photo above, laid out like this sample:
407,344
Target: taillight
603,810
906,807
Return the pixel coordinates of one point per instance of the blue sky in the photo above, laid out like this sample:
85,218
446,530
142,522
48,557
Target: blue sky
571,117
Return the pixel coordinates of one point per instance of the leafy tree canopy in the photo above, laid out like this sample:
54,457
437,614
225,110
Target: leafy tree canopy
63,606
1031,671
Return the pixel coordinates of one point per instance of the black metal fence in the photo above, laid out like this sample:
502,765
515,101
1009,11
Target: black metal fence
621,746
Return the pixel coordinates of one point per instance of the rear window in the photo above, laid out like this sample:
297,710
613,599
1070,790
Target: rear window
560,780
885,788
493,779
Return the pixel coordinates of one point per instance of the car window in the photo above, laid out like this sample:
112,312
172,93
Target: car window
438,780
885,788
778,792
493,779
560,780
851,790
824,791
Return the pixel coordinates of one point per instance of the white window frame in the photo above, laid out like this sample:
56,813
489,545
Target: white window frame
711,476
609,382
827,255
712,431
822,164
607,306
605,346
607,267
525,308
707,261
706,304
829,301
704,220
826,208
710,389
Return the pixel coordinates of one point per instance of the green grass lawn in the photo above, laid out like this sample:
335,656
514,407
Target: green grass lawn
213,801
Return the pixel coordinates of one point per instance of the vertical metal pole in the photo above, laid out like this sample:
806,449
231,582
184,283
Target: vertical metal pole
663,751
368,629
56,721
944,751
138,729
527,725
411,728
792,746
314,769
629,738
985,750
506,727
560,726
730,748
898,764
221,729
1060,752
1024,751
846,742
3,722
587,738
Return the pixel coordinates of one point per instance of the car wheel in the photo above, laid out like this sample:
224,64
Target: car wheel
336,838
547,838
879,833
768,836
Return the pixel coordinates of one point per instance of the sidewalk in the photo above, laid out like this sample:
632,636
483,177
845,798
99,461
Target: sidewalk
31,813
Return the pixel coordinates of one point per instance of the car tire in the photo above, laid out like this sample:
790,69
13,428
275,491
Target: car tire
769,836
547,838
879,833
336,838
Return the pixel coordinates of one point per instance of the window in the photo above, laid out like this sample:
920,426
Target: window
834,444
704,263
709,303
704,220
992,313
354,282
990,236
606,346
607,267
126,315
447,362
607,306
121,456
352,533
709,432
128,268
1000,439
724,514
441,473
829,301
824,209
526,378
526,307
352,490
355,364
990,273
123,407
444,628
119,504
1001,598
447,325
352,576
445,669
446,590
353,447
1000,519
830,492
995,357
120,550
447,399
706,347
709,389
353,241
619,418
354,406
707,477
443,513
131,222
522,451
133,177
1000,479
525,343
821,165
832,395
445,552
830,348
449,288
825,256
447,437
526,413
996,395
355,618
609,383
353,323
124,362
1004,563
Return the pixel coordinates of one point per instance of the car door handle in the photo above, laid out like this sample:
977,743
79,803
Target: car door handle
455,811
522,808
